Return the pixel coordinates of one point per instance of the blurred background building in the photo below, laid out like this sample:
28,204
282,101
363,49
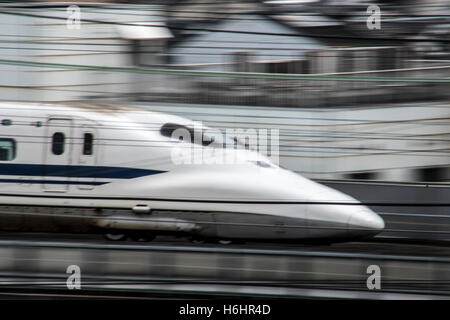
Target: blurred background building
350,102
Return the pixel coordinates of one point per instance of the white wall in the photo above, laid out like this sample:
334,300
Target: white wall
46,40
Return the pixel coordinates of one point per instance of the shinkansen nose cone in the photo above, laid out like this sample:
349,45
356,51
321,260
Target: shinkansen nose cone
336,214
257,200
365,222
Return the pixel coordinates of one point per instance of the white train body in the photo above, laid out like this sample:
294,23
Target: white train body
102,168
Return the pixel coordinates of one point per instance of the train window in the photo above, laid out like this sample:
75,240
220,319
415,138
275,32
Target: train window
58,143
6,122
7,149
88,144
169,129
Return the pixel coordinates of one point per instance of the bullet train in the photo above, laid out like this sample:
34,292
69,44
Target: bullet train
127,172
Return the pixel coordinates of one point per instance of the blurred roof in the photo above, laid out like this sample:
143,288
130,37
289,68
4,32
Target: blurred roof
266,39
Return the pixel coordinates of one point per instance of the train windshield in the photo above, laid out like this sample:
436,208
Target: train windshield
202,135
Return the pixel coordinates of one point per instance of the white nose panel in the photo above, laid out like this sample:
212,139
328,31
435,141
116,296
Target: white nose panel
366,219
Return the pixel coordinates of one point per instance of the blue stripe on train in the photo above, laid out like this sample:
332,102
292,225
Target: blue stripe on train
52,182
102,172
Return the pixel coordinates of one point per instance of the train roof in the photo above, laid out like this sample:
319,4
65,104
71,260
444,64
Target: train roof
98,111
107,108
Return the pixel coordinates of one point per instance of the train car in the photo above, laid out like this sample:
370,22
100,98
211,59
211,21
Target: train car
99,168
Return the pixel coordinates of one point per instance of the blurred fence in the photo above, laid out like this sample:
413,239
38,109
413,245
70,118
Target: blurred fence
297,90
233,88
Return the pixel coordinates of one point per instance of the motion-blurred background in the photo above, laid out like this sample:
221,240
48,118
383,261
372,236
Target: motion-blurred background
358,92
